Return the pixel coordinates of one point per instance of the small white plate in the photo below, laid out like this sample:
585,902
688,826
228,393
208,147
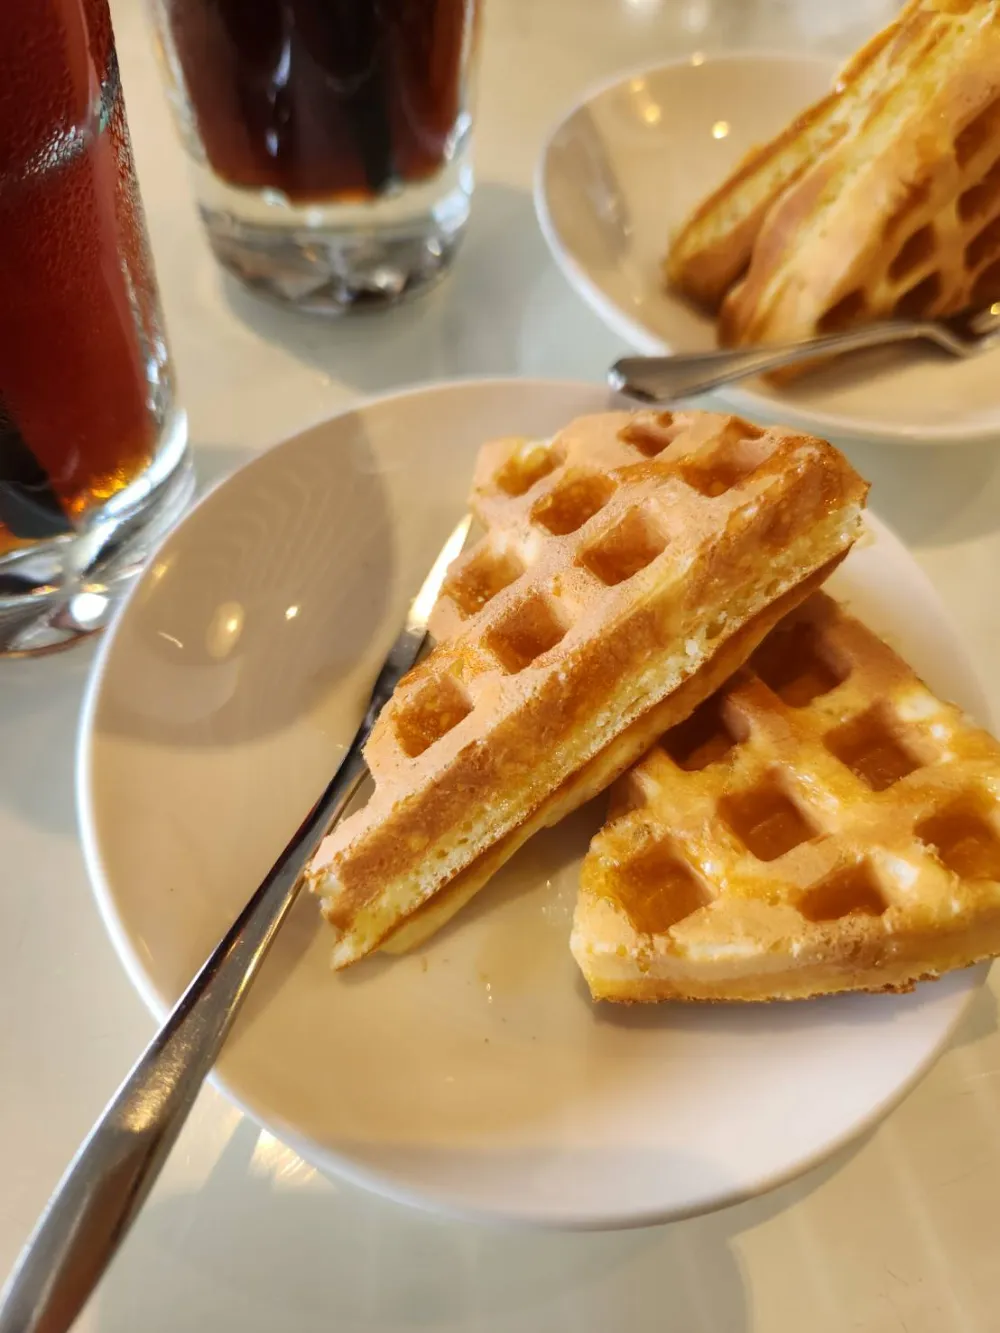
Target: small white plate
476,1076
628,164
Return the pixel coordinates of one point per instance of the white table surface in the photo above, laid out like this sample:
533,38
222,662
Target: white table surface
900,1232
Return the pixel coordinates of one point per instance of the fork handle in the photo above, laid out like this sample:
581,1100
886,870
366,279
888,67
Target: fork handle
106,1183
657,379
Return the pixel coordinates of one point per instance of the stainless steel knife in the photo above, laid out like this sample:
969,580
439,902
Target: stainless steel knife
107,1182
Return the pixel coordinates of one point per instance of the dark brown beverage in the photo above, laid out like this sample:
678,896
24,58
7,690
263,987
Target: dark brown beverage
81,353
324,99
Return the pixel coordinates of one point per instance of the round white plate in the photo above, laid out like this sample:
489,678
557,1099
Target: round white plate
628,164
475,1076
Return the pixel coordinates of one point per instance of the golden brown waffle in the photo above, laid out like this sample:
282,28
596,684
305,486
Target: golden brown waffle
899,215
712,248
602,770
619,558
823,823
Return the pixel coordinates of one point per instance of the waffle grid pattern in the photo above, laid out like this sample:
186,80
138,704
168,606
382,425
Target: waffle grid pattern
880,201
631,550
942,256
567,526
825,778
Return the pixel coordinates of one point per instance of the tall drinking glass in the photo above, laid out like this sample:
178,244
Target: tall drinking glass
93,449
329,139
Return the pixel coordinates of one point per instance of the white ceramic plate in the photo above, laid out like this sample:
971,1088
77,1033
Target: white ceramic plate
627,165
476,1076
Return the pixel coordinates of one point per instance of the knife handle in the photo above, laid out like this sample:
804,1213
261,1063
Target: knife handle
104,1187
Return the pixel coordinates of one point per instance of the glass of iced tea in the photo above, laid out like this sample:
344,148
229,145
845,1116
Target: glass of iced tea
93,448
329,139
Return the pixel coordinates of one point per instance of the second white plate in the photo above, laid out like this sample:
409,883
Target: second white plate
627,165
475,1076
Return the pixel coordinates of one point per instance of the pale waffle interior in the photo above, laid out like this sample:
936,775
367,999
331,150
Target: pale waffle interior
823,823
899,217
713,247
618,558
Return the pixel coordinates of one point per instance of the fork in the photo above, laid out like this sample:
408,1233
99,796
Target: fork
657,379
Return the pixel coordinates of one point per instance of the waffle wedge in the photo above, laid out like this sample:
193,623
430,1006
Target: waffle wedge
823,823
897,214
902,219
712,249
619,558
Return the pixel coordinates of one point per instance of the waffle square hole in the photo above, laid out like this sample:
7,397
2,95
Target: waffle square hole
626,548
850,891
963,840
797,666
917,196
438,706
869,747
983,245
986,288
845,312
577,498
487,573
915,250
706,736
982,197
656,890
527,632
720,467
980,131
766,820
527,465
918,302
650,434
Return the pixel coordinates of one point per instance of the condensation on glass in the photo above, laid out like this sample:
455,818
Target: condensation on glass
93,458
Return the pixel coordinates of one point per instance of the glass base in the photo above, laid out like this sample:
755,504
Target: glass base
334,259
54,593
